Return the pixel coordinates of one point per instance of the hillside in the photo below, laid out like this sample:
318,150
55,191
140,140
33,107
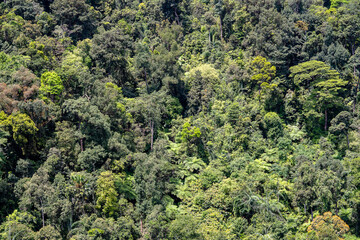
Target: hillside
179,119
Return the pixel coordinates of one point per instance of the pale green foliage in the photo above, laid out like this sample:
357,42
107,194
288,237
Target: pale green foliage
72,64
338,3
21,126
17,225
214,226
261,70
47,233
208,73
184,227
51,85
74,72
311,72
107,197
9,64
188,132
328,92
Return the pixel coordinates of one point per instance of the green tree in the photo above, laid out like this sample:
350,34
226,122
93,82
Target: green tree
10,64
202,81
340,125
304,185
22,129
184,227
107,196
320,87
273,125
152,184
354,65
262,72
38,194
329,94
75,17
47,233
91,123
18,225
109,51
91,158
51,86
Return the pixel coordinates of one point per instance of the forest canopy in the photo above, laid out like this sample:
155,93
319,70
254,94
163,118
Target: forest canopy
181,119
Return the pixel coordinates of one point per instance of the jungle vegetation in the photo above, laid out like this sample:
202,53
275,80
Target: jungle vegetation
179,119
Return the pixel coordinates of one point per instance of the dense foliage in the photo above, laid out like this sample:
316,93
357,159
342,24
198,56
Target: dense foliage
181,119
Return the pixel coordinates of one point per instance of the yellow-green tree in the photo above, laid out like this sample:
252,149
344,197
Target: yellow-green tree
328,226
262,72
18,225
51,85
107,196
22,128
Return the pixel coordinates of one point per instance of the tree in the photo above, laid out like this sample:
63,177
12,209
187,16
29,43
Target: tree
328,226
262,72
152,183
340,125
10,64
107,196
142,64
318,83
328,94
354,65
304,184
22,128
233,113
94,227
184,227
151,111
90,122
91,158
76,18
309,73
27,9
202,82
271,35
18,225
47,233
75,73
109,51
37,194
273,125
51,86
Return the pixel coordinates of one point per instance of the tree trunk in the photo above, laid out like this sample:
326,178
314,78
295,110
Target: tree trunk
336,208
152,134
71,218
357,215
146,82
347,139
312,214
356,90
325,120
177,17
82,144
141,228
209,38
259,95
42,213
221,30
81,139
